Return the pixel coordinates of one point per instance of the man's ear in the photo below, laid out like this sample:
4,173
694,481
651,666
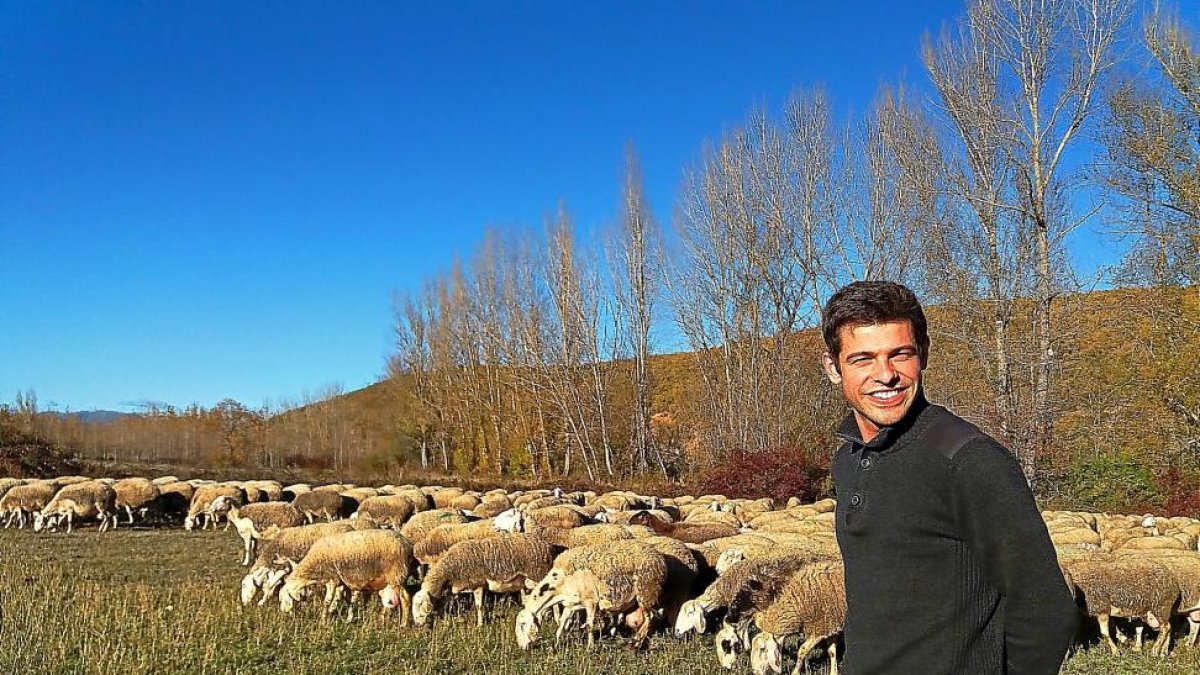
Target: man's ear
830,365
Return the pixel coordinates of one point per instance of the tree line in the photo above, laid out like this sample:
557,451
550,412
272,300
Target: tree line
541,353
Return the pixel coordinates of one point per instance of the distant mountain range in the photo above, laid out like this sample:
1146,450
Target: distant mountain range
94,416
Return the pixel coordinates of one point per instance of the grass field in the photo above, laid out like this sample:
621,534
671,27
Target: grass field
165,601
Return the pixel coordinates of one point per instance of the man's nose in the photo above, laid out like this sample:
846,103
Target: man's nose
884,372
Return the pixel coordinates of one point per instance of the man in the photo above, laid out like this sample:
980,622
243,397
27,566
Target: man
949,568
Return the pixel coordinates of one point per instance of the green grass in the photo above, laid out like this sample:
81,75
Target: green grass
165,601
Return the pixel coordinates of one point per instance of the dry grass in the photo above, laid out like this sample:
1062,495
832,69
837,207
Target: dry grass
157,601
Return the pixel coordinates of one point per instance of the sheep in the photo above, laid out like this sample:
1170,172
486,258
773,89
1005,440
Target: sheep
323,503
686,569
7,484
201,510
290,492
388,511
503,564
493,506
21,501
514,520
763,575
619,577
254,521
369,561
164,480
690,532
279,552
1124,586
78,500
135,494
812,603
442,537
174,499
1184,567
421,524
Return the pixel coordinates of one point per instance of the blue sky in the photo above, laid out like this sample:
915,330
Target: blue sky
211,199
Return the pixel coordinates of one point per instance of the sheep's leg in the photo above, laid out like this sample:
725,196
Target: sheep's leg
479,607
1137,643
405,606
1106,632
1193,628
589,611
70,520
1161,646
643,633
802,653
129,512
833,661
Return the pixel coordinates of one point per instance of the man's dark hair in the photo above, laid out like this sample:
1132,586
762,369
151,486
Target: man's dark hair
865,303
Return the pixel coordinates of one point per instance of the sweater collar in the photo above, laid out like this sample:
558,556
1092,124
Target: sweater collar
890,437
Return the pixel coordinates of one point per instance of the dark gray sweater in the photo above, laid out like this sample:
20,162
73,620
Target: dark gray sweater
949,568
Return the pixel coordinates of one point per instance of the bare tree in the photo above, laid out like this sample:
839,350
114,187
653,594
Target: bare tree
634,259
1038,66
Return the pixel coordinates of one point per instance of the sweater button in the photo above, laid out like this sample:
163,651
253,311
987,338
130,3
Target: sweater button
865,463
856,500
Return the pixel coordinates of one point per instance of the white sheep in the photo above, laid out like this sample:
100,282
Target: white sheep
368,561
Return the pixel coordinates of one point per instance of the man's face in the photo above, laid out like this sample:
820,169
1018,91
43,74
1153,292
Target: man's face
879,369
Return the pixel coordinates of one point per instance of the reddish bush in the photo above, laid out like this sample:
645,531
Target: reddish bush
781,473
1180,492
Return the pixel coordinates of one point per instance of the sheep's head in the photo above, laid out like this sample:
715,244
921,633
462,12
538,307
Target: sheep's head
251,583
291,593
390,596
422,607
272,581
765,654
189,523
39,520
729,646
527,628
540,596
511,520
691,618
729,558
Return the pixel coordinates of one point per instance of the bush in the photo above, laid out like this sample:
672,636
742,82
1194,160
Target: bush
1180,492
1112,483
781,474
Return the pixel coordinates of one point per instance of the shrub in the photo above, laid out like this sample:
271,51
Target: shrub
1180,492
1112,483
781,473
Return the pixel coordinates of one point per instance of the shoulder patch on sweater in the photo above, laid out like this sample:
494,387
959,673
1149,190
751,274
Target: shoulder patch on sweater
949,433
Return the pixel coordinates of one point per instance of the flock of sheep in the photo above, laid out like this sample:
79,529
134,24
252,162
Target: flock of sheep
756,571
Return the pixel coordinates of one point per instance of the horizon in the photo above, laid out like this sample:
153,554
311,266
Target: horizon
216,201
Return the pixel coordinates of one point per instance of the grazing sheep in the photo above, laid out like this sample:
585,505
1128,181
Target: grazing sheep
1184,567
515,520
201,511
1125,586
135,494
689,532
812,604
387,510
259,519
370,561
442,537
78,500
22,501
763,575
324,503
7,484
626,577
507,563
493,506
421,524
279,553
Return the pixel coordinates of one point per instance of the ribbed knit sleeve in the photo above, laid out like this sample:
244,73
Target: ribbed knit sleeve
1002,528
